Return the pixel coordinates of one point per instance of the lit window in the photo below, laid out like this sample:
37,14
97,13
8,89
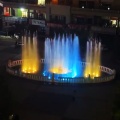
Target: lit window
114,22
6,11
24,12
41,2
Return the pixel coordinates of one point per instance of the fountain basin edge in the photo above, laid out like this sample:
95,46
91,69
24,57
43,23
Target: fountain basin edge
108,77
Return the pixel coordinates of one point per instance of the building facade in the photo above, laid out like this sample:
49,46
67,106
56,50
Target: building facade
74,13
1,13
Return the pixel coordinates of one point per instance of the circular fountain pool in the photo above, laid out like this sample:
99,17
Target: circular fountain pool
62,61
13,68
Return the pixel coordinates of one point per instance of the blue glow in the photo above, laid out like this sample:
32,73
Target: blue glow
43,74
63,52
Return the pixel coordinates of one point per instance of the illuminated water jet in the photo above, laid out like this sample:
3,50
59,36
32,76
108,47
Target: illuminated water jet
93,56
30,57
62,63
62,57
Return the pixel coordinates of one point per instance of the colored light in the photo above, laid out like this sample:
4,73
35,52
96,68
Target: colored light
62,56
59,70
93,56
22,9
30,58
41,2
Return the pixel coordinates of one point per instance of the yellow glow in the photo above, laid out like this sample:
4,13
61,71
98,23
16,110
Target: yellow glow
114,22
92,69
30,58
24,12
59,70
55,1
86,75
41,2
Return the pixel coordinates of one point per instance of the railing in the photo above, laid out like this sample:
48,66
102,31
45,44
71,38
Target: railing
110,74
101,12
96,10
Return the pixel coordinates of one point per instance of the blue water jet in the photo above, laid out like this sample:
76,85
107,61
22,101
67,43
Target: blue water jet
62,57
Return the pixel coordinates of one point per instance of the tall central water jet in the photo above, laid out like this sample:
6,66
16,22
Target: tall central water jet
62,57
93,56
30,58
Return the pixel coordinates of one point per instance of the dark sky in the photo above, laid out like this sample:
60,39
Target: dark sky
22,1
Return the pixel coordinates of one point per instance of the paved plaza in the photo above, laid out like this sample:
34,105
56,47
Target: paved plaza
32,100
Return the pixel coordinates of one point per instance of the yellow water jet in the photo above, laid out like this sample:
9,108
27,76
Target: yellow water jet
30,57
93,56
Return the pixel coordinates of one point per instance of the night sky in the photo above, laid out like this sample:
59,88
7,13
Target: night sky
22,1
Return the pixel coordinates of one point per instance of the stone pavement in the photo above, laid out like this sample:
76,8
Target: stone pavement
35,101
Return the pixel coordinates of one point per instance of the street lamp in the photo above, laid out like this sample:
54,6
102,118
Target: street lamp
22,9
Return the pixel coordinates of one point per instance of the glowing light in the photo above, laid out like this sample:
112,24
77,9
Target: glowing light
30,58
108,8
93,55
22,9
1,4
62,57
86,75
41,2
97,75
59,70
83,7
55,1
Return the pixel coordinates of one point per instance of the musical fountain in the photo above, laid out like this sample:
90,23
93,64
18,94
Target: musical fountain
62,61
93,57
62,57
30,57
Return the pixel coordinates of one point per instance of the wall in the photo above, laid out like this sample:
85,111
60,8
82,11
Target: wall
60,10
94,12
116,4
48,11
75,3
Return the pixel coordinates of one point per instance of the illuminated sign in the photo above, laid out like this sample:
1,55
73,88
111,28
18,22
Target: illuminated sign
37,22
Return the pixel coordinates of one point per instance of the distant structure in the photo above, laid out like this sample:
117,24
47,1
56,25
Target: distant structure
99,15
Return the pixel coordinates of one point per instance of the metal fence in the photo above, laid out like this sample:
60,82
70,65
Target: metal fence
16,72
